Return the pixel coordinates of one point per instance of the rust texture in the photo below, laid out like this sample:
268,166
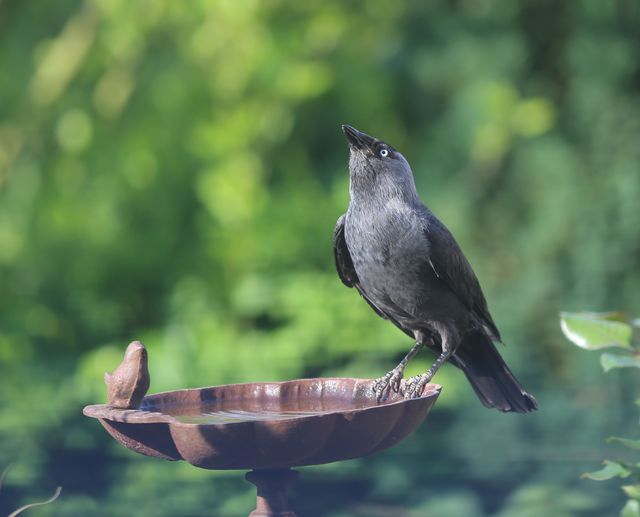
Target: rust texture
339,419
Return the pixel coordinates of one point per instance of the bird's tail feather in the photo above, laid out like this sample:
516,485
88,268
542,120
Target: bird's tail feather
490,377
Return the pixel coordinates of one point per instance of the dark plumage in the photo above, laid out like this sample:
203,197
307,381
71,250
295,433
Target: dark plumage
411,271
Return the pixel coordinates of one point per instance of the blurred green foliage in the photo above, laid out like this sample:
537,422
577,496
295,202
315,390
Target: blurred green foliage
594,331
172,172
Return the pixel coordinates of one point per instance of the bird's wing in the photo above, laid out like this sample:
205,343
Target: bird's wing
348,275
452,267
341,255
344,264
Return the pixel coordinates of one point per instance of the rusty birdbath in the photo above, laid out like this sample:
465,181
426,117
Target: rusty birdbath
267,428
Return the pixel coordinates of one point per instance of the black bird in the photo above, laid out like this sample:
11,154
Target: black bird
411,271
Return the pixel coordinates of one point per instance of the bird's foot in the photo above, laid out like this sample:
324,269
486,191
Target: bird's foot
415,385
390,381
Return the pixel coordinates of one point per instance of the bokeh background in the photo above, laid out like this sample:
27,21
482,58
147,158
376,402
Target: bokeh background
172,172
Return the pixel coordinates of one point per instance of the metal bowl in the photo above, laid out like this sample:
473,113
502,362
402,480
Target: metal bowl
266,425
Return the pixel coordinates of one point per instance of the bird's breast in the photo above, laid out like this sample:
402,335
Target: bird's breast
387,248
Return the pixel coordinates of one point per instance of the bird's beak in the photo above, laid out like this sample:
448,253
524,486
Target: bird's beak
357,139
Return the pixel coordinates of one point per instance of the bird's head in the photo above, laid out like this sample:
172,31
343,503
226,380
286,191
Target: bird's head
374,164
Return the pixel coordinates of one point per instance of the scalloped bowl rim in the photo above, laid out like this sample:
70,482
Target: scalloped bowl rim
144,416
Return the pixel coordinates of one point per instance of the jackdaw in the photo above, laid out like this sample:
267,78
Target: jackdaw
409,268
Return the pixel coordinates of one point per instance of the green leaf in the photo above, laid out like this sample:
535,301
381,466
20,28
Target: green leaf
610,470
632,491
633,444
610,360
631,509
592,330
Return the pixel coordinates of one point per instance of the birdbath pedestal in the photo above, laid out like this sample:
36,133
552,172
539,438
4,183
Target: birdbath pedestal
272,486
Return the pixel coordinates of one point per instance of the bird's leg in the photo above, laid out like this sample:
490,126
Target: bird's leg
415,385
391,380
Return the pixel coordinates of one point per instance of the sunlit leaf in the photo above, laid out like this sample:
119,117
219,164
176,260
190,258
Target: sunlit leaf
631,509
610,360
632,491
610,470
593,331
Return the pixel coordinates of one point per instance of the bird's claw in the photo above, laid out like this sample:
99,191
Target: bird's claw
415,385
389,382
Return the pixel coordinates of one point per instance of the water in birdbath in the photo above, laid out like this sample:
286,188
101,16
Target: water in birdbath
243,410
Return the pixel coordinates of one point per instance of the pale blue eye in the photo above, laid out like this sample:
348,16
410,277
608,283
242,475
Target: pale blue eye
384,153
